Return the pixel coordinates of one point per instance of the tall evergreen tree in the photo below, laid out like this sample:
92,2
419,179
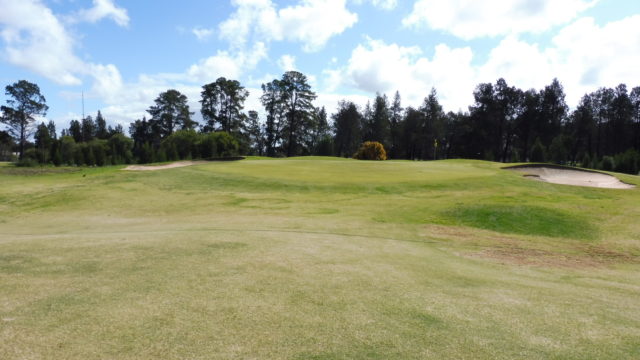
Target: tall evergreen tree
635,106
432,126
621,123
297,100
395,119
24,103
44,142
319,132
412,137
101,127
88,129
553,111
75,130
222,105
602,108
347,124
171,112
379,125
254,131
524,126
51,127
272,101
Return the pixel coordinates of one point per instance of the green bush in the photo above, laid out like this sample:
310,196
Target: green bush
627,162
218,144
371,150
120,149
558,150
586,161
607,163
182,143
29,158
538,153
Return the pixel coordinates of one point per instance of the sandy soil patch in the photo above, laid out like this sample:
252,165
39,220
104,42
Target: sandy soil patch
162,167
569,176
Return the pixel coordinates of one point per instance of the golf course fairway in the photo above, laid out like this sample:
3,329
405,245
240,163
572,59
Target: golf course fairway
316,258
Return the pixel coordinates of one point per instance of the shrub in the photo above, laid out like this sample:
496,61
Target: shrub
227,144
586,161
181,145
607,163
67,150
371,150
558,150
627,162
29,158
120,149
538,152
218,144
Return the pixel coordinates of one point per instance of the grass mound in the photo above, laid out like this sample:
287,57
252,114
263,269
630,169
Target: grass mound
523,219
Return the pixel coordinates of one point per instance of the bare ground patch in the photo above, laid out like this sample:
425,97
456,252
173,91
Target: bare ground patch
162,167
512,250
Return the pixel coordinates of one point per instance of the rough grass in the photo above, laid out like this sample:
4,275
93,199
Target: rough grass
316,258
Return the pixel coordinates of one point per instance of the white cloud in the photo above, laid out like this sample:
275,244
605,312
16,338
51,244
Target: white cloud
473,19
103,9
385,68
228,64
287,62
583,56
311,22
379,67
37,41
382,4
202,33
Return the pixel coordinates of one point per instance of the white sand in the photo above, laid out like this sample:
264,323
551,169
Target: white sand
162,167
573,177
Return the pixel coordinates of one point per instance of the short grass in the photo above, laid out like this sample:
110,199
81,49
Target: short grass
315,258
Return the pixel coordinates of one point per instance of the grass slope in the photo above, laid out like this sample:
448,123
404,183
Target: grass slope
315,258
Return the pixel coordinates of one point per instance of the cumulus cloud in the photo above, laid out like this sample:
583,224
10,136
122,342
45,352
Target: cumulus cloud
473,19
103,9
36,40
230,64
379,67
572,58
312,22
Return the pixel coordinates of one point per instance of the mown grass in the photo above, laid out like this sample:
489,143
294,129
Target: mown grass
316,258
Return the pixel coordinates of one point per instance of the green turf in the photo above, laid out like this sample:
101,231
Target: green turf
315,258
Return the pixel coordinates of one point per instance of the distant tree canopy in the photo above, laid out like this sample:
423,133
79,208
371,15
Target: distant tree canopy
504,123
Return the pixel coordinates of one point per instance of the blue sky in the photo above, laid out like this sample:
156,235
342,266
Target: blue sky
122,54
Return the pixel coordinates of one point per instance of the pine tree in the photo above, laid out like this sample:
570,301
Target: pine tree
24,103
101,131
222,105
170,113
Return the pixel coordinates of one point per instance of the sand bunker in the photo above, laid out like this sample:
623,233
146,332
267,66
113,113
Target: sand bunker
162,167
570,176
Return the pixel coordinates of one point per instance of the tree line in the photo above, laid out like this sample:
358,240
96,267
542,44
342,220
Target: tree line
504,123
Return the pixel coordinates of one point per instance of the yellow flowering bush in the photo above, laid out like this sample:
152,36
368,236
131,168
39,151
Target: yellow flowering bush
371,150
